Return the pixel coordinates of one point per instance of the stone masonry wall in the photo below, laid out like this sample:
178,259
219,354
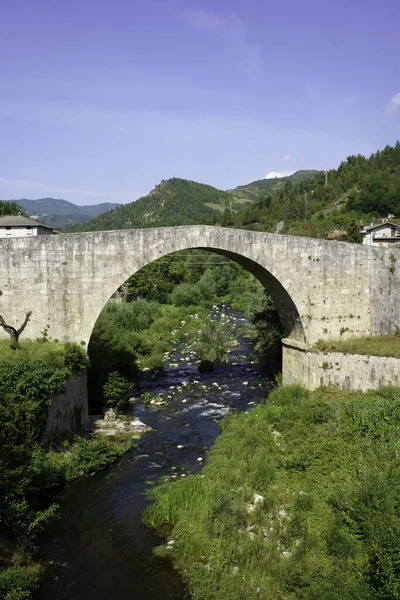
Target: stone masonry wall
345,371
68,411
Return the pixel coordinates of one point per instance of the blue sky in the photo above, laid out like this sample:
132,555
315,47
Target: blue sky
101,99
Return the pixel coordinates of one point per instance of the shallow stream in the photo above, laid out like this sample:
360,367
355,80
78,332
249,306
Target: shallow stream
99,546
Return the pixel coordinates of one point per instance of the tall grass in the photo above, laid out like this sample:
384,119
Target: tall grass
327,465
381,345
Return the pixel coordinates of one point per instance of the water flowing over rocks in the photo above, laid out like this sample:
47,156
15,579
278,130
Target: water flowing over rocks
100,538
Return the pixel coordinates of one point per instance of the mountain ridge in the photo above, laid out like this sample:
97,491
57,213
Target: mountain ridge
59,212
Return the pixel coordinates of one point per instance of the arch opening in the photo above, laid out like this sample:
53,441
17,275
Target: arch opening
285,307
288,313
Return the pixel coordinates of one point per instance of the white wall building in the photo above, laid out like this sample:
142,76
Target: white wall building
18,226
382,234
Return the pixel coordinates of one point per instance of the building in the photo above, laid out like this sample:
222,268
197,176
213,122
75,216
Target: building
18,226
382,234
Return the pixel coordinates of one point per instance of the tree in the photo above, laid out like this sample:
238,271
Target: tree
12,331
117,390
10,208
353,233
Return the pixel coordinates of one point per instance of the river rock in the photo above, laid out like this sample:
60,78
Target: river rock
110,415
137,426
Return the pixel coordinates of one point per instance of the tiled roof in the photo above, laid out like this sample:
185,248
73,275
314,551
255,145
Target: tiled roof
19,221
387,223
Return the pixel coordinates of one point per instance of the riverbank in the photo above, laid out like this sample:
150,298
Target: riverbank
299,499
31,375
99,546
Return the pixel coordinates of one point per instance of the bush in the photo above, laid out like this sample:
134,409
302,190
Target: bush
17,583
117,390
212,343
186,294
89,456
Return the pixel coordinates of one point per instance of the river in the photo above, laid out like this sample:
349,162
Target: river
98,544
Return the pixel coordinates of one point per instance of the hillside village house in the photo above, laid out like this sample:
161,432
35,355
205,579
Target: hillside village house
382,234
18,226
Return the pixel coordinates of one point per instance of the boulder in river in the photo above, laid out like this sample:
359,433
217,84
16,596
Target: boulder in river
206,366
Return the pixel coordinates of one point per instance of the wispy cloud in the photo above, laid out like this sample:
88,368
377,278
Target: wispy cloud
287,157
231,30
393,106
273,174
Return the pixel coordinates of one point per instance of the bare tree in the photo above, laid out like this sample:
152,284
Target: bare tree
12,331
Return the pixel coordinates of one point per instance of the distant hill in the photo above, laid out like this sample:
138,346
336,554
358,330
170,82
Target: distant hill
182,202
61,213
360,190
173,202
251,191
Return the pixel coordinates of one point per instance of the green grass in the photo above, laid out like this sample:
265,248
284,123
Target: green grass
31,350
382,345
327,465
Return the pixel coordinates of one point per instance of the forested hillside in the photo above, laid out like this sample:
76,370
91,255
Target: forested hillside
172,202
251,191
308,203
361,189
182,202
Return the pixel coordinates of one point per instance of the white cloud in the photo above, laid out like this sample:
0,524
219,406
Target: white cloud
287,157
393,106
274,174
231,30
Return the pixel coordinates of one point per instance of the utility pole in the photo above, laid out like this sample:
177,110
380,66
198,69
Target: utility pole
326,177
305,205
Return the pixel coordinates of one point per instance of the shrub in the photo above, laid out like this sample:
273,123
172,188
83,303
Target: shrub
89,456
17,583
186,294
116,390
212,343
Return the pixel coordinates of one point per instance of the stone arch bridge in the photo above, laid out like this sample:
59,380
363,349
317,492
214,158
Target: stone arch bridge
321,289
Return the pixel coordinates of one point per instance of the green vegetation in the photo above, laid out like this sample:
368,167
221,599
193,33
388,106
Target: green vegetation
299,499
172,202
30,376
116,391
251,191
10,208
381,345
212,344
169,300
360,190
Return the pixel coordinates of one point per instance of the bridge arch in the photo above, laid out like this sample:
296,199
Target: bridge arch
288,313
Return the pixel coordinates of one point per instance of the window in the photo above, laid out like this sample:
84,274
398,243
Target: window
8,226
29,226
